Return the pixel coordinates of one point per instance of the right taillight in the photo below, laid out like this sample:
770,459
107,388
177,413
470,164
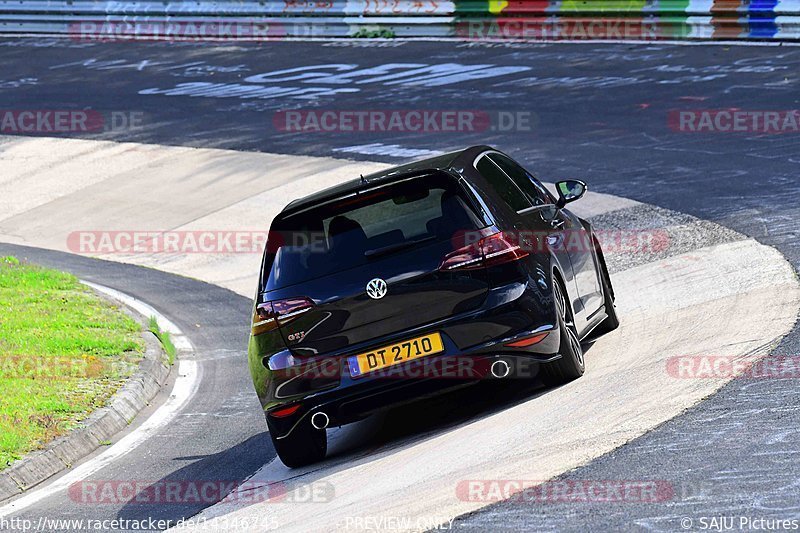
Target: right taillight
528,341
270,315
490,251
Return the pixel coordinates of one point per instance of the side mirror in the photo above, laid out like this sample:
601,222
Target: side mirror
569,191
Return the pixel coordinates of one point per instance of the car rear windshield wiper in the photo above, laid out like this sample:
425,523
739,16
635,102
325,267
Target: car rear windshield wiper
397,247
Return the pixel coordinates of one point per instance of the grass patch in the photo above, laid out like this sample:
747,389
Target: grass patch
63,353
373,33
165,339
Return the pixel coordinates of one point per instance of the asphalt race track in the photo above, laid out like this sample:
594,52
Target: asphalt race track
601,112
598,111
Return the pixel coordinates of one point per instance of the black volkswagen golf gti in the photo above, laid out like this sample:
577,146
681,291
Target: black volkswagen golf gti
416,280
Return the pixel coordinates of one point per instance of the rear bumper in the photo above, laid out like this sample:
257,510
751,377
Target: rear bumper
355,399
472,341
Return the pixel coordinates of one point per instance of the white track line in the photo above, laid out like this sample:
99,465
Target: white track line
185,387
180,340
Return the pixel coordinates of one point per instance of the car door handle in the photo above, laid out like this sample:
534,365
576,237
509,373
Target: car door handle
557,223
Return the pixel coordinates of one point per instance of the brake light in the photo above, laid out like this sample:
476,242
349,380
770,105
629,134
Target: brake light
270,315
466,258
528,341
283,412
490,251
287,309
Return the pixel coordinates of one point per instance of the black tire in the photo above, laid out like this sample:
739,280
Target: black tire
571,364
612,321
303,446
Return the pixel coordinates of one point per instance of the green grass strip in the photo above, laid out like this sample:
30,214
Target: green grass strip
64,351
165,339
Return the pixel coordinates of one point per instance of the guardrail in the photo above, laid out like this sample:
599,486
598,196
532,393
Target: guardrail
465,19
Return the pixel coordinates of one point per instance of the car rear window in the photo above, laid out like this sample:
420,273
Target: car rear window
502,184
529,185
354,230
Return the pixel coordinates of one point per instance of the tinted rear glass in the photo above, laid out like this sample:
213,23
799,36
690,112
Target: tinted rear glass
358,229
501,183
535,192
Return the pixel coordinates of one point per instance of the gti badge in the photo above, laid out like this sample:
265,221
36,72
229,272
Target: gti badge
377,289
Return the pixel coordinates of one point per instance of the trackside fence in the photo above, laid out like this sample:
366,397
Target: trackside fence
462,19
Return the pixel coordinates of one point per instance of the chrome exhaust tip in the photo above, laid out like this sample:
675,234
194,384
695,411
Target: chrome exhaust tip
500,369
320,420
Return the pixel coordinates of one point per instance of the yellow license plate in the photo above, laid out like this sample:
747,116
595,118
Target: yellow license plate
395,354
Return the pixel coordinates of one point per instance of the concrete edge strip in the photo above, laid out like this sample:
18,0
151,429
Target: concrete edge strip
643,233
495,508
727,236
101,425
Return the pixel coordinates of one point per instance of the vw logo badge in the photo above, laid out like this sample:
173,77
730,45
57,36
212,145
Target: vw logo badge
377,289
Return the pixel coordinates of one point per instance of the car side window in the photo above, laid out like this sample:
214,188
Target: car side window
535,192
503,185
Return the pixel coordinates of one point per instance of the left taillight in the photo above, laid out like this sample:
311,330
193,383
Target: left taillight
269,315
283,412
493,250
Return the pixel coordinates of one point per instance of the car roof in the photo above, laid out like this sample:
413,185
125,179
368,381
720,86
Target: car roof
432,164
